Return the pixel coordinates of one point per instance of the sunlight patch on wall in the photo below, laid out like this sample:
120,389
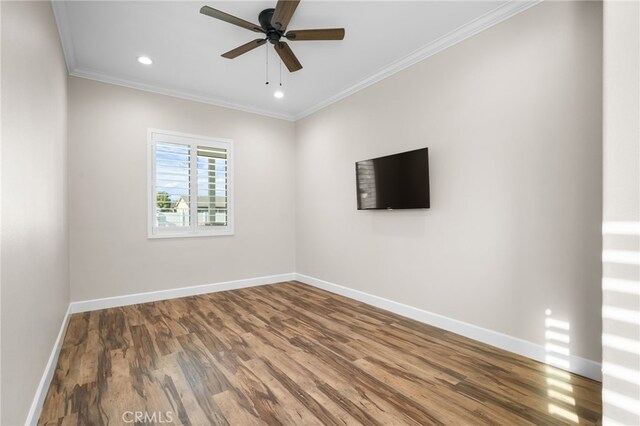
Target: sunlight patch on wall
621,343
629,316
620,228
624,257
628,375
621,401
615,285
621,324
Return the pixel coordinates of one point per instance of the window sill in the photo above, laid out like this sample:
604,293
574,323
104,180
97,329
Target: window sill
206,233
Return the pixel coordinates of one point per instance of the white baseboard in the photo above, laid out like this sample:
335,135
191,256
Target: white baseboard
49,370
581,366
154,296
577,365
130,299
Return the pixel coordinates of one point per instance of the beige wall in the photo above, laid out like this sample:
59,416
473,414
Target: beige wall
110,252
35,284
621,279
512,119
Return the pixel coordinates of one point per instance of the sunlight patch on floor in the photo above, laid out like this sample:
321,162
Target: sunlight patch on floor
560,390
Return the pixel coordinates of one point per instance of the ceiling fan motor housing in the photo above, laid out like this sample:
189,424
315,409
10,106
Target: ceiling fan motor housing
273,34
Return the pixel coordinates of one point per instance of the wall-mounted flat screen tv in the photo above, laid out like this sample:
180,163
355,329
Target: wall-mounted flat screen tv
399,181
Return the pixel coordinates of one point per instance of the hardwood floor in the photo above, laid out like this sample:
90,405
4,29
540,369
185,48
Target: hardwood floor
292,354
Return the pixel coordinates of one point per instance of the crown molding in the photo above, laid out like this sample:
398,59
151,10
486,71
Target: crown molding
495,16
125,82
489,19
64,29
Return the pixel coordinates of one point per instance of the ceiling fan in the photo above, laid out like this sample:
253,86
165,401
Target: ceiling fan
273,24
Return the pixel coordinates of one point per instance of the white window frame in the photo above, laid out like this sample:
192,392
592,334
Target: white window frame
193,141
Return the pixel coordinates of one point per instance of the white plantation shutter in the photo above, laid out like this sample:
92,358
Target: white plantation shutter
190,182
212,186
172,185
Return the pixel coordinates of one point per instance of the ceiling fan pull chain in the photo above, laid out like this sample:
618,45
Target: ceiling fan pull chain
280,73
267,63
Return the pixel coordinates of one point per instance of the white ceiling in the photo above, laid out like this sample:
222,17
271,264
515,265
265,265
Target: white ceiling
102,40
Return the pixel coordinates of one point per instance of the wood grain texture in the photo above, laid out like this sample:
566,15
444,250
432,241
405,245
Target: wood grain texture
288,57
291,354
283,13
323,34
247,47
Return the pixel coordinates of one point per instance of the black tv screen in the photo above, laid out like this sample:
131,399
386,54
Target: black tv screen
399,181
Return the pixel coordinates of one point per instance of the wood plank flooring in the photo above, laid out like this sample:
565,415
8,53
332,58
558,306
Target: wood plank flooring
294,355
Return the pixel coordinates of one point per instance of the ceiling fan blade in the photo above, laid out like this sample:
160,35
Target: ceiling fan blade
283,13
234,53
215,13
325,34
287,56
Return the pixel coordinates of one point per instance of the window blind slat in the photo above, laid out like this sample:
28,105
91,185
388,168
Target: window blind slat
212,188
172,169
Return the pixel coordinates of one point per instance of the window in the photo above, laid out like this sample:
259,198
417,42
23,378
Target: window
190,185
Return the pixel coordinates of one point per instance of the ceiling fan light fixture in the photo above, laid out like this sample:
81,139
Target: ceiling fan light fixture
273,26
145,60
278,94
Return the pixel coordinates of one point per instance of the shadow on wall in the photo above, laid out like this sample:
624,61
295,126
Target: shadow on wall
621,322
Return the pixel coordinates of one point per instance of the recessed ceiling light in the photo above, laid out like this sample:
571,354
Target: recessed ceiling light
145,60
278,94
